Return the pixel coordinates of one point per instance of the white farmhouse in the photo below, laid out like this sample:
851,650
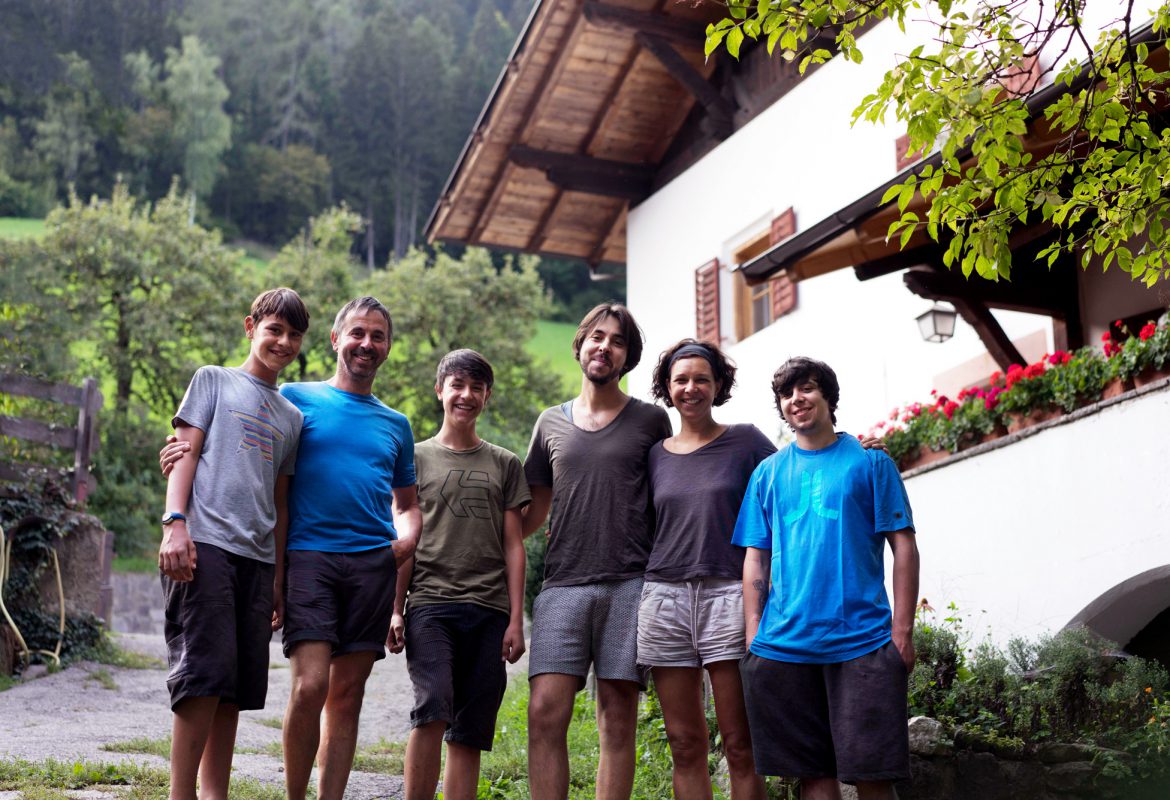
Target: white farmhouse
743,207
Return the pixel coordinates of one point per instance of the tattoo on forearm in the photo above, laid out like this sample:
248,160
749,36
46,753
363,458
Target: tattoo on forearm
761,593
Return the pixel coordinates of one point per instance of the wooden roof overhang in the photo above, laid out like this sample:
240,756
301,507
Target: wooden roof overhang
589,103
855,236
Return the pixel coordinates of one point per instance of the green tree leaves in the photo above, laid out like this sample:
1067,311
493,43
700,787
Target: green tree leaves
1093,167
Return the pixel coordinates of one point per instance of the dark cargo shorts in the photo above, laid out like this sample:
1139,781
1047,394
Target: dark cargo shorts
345,599
218,627
454,652
844,721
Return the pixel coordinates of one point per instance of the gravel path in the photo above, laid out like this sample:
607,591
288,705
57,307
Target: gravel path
70,715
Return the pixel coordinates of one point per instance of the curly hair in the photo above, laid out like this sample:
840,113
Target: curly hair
722,368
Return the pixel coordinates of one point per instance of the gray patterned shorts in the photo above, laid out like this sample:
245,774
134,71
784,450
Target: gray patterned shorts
573,626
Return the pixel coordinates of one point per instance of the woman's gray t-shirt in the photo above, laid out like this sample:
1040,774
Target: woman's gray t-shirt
600,526
696,500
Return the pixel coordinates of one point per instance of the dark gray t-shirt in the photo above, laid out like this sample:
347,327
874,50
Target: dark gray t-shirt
696,501
601,521
250,435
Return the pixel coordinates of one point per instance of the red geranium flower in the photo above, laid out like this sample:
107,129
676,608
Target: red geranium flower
1034,370
1148,330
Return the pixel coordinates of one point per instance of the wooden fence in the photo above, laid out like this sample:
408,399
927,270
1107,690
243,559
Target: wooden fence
81,439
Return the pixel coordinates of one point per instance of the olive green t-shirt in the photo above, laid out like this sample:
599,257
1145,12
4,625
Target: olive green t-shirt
463,495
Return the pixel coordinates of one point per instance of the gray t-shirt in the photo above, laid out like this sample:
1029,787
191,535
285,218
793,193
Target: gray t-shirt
601,521
250,434
696,501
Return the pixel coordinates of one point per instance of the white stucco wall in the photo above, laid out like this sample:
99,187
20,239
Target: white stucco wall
801,152
1024,537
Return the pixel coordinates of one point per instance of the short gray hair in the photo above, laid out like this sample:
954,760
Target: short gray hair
363,305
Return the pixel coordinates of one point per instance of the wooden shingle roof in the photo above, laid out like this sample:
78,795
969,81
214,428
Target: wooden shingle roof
583,115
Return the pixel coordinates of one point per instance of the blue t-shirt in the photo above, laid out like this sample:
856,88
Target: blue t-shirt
353,451
823,514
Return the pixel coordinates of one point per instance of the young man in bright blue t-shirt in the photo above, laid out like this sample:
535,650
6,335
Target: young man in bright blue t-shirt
825,675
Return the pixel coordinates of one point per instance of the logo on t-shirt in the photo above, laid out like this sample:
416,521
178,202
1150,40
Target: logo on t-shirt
811,496
259,432
467,493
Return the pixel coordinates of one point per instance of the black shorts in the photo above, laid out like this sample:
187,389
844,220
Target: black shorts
844,721
218,627
454,652
345,599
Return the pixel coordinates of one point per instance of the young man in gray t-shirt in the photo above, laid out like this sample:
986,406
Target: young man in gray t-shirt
222,552
588,463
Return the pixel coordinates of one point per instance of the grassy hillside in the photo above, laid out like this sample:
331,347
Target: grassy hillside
20,228
554,343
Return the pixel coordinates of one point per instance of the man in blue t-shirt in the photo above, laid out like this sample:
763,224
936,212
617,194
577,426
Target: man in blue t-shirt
825,675
355,456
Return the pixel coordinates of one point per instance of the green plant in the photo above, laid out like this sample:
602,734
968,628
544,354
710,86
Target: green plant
1148,349
141,744
103,678
1077,378
35,515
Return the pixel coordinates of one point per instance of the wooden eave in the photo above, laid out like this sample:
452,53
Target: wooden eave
576,126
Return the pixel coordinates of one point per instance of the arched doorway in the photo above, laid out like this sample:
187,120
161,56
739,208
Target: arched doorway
1135,613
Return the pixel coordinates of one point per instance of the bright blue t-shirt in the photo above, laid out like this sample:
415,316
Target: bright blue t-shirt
823,514
353,451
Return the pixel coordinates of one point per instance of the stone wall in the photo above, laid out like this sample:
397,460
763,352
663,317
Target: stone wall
948,766
138,603
84,556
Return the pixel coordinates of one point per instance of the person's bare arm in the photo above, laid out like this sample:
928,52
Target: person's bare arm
407,522
396,639
176,554
757,573
280,540
536,512
905,547
514,561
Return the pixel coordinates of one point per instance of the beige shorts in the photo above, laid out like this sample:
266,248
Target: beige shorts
690,623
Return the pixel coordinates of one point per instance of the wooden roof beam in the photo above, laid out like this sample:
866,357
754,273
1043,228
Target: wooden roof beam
602,15
719,110
938,286
586,174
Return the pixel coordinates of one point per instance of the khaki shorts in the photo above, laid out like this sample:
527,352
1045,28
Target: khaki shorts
691,623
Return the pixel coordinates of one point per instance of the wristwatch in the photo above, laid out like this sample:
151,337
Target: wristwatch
171,516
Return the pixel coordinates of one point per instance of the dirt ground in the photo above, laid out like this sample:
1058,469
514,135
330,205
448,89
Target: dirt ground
71,714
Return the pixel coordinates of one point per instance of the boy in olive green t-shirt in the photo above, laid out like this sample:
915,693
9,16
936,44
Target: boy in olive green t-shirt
466,586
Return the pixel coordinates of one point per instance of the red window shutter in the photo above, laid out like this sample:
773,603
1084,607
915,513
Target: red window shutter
783,295
902,158
783,226
782,289
707,302
1021,79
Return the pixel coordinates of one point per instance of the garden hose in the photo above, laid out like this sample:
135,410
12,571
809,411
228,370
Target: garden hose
5,556
5,563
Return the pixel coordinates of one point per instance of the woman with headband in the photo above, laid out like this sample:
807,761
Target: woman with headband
691,614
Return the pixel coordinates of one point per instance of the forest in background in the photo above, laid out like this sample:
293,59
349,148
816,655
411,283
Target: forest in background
268,110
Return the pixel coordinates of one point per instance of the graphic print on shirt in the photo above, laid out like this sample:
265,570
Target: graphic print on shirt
259,431
467,493
811,496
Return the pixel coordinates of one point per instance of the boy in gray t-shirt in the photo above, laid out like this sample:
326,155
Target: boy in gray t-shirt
222,554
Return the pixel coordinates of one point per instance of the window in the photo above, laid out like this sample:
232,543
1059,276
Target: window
759,305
